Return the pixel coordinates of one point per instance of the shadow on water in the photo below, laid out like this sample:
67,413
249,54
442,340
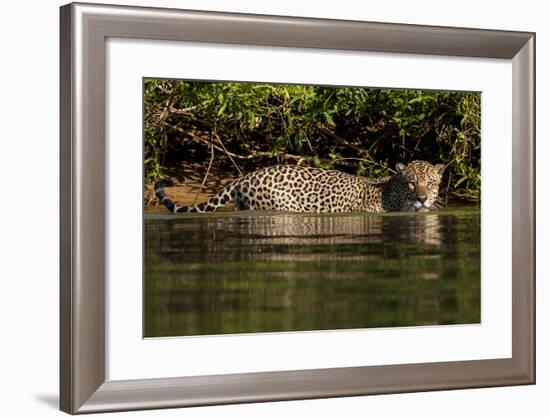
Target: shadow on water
245,272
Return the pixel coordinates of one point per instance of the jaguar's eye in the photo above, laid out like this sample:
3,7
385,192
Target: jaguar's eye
411,185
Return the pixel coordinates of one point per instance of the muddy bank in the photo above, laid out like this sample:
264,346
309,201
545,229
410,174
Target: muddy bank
184,195
193,185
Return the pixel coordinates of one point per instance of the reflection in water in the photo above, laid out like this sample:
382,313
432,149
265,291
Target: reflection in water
249,272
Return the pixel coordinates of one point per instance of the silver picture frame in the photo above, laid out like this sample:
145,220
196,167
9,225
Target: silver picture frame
83,34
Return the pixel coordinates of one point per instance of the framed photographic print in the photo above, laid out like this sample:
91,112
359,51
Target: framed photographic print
259,208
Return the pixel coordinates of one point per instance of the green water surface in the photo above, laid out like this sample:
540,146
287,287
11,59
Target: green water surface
246,272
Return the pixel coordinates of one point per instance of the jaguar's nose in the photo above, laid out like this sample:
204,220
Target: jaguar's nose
421,198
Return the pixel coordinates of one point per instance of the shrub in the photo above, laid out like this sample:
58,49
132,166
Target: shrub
364,131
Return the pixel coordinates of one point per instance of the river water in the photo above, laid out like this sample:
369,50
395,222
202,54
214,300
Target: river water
247,271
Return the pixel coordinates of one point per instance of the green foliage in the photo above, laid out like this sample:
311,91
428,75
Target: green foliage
364,131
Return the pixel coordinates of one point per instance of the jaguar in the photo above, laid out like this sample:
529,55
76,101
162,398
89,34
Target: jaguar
295,188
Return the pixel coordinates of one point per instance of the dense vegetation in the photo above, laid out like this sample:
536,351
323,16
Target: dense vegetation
240,127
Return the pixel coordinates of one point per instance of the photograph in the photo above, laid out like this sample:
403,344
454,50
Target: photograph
285,208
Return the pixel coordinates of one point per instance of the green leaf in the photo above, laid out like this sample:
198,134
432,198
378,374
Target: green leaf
251,121
460,181
222,109
329,119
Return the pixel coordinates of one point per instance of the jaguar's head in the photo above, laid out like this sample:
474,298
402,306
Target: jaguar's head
422,181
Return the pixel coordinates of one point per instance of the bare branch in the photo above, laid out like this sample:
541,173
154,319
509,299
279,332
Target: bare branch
228,153
205,175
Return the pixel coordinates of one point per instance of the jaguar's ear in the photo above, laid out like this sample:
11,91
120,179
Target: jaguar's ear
440,168
400,168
